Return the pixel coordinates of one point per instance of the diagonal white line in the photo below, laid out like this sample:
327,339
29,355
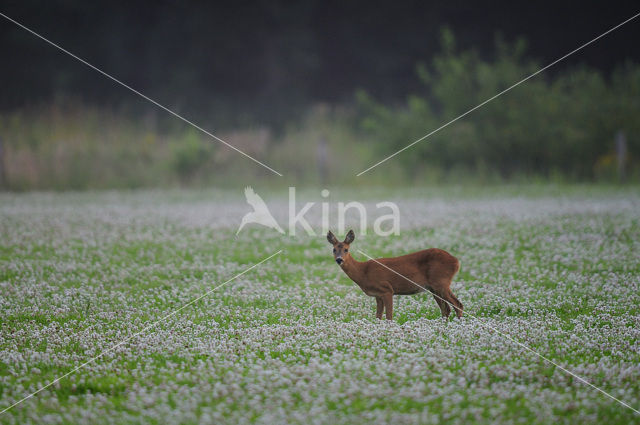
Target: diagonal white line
510,338
136,334
500,94
139,94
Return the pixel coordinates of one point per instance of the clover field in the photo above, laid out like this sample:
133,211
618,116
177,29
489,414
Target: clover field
294,340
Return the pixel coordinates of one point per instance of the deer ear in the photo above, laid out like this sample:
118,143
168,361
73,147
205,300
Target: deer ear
350,237
332,238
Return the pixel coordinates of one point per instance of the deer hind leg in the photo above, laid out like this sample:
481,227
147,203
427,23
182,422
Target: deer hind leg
456,303
379,307
442,289
444,306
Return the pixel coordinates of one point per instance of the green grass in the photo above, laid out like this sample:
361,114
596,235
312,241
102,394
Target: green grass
556,273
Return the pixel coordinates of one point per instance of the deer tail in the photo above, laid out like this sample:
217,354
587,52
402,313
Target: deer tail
456,267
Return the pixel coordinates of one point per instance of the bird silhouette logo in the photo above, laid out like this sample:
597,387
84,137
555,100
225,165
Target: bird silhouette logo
260,214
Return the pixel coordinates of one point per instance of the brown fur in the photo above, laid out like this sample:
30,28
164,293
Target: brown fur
432,269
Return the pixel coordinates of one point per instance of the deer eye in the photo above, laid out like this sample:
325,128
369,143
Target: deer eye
346,250
334,250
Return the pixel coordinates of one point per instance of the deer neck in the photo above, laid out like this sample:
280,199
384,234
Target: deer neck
353,269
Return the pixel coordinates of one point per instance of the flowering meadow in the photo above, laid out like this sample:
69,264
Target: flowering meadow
294,340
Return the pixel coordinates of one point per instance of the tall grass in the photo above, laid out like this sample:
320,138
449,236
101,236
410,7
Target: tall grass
71,145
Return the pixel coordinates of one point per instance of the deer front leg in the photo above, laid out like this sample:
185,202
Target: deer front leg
379,307
387,300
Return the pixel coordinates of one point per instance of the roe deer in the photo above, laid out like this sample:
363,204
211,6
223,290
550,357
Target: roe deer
428,270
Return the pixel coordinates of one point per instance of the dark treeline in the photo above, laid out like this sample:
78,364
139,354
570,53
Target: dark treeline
576,125
318,90
263,61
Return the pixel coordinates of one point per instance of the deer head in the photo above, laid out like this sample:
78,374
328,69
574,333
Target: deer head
341,249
